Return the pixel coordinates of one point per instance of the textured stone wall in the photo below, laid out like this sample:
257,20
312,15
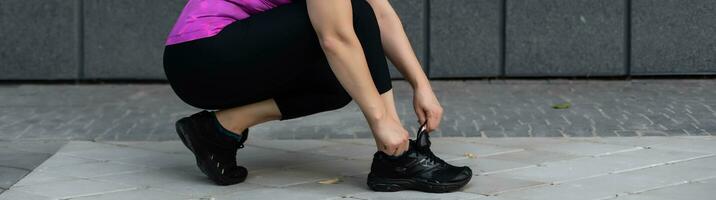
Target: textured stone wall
124,39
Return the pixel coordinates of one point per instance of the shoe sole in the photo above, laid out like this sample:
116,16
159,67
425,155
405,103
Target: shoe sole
394,185
186,138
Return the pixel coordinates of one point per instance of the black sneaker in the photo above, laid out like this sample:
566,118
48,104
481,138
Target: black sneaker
416,169
215,155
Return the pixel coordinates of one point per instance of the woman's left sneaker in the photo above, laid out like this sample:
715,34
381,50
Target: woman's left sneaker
215,153
416,169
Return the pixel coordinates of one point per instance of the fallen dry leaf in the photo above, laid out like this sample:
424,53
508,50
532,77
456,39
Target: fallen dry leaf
470,155
330,181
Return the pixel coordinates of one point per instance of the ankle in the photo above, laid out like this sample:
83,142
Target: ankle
223,131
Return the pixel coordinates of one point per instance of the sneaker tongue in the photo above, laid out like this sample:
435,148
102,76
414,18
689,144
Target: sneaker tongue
423,138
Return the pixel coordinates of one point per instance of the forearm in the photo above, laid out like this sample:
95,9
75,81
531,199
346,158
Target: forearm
399,51
348,63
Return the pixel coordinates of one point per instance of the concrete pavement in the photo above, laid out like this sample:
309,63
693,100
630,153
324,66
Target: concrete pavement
506,169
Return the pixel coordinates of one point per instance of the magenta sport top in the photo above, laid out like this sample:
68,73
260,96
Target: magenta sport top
206,18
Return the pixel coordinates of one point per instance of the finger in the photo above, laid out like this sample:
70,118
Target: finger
421,116
434,121
431,121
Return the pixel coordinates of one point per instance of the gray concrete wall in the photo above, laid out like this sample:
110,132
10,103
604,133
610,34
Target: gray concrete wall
124,39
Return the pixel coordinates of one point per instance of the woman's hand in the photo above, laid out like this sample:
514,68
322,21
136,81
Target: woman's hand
426,106
390,136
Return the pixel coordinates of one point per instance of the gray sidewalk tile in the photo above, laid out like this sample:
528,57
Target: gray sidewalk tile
273,193
89,170
344,188
344,151
586,148
143,194
290,145
534,157
510,169
279,159
21,159
159,160
148,178
619,184
481,166
575,169
174,146
59,160
413,195
461,148
15,195
339,167
73,188
492,185
286,177
693,191
39,177
8,176
199,187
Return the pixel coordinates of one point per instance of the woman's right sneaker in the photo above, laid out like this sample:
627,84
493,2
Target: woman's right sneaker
215,154
416,169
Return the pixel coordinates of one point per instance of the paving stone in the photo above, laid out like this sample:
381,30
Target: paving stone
38,177
21,159
74,188
414,195
150,178
586,149
695,191
108,151
344,151
280,159
534,157
576,169
14,194
146,112
60,160
8,176
492,185
620,184
47,147
88,170
148,194
286,177
160,160
343,188
340,167
482,166
460,148
274,193
174,147
202,187
290,145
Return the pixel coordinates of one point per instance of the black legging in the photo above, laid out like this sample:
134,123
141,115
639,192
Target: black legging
274,54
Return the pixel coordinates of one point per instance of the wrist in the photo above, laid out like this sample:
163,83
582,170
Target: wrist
421,84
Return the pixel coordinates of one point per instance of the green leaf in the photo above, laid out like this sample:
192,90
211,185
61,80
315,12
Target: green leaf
562,105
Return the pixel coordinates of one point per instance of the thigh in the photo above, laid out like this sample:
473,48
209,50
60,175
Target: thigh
257,58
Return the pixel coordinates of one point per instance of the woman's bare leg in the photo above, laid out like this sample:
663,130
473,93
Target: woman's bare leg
389,102
238,119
